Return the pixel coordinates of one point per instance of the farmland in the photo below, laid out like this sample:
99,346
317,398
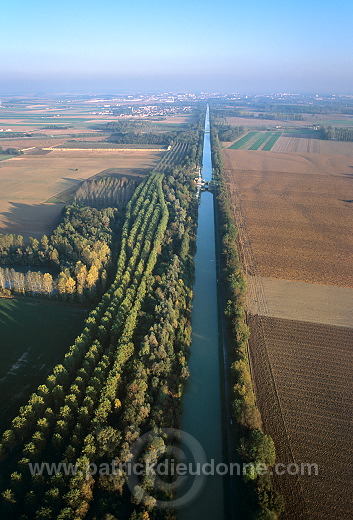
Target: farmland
294,218
302,372
300,144
313,302
256,141
29,181
297,216
308,121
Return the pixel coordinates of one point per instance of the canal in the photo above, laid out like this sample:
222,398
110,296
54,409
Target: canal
202,401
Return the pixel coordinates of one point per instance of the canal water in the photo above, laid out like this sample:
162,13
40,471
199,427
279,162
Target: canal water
202,410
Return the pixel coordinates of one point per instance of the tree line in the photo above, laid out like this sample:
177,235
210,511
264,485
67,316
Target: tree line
163,138
229,132
336,133
10,151
257,498
236,112
123,375
30,283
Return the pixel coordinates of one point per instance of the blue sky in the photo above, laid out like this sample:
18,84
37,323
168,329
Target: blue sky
112,46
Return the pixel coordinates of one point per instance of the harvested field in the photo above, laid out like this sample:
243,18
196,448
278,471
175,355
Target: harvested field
88,145
300,301
298,225
305,163
31,142
59,139
299,144
28,181
303,376
178,119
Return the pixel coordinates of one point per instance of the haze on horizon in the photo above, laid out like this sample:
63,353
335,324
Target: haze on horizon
191,45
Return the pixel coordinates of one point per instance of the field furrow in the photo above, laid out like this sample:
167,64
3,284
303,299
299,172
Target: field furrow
314,404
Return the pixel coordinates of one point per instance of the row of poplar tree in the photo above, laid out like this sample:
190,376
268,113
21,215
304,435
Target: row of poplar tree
124,374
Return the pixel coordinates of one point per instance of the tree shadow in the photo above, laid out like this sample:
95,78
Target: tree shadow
31,219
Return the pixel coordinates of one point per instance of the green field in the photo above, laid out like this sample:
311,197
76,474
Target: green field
5,156
34,337
255,140
241,143
268,146
260,141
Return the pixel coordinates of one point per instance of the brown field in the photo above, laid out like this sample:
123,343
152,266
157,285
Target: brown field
294,215
296,211
44,142
299,144
305,163
300,301
30,142
28,181
303,375
177,119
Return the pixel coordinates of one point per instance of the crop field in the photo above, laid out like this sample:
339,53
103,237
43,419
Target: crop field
294,216
260,140
177,119
271,142
87,145
35,335
304,163
28,181
299,144
313,302
244,141
298,224
27,143
256,141
303,372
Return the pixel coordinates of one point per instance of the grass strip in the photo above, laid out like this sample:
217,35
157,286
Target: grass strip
259,142
242,141
269,145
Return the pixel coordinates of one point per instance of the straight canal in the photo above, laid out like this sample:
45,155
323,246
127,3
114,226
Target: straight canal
202,401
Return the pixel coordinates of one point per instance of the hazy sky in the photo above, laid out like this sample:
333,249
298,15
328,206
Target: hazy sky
113,46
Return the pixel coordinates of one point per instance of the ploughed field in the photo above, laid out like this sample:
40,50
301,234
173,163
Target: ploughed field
303,375
301,144
297,213
294,216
